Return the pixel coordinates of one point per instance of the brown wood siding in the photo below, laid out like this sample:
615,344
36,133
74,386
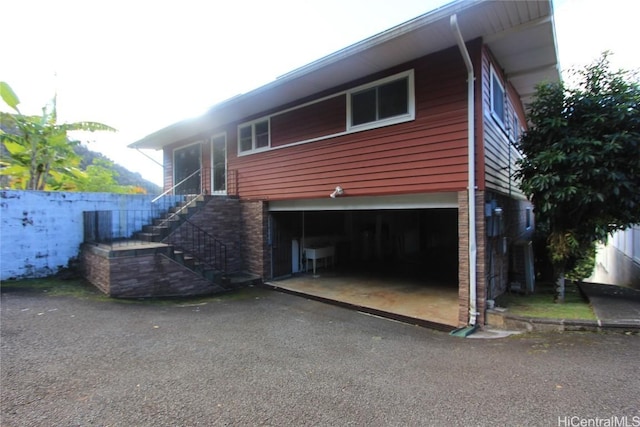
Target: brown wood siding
500,154
428,154
316,120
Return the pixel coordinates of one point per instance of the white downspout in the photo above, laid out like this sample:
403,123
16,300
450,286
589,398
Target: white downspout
473,312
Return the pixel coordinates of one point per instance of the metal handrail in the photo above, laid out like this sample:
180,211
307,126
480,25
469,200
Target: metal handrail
174,187
198,243
109,226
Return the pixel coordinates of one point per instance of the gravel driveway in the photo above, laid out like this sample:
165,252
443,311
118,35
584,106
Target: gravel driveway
264,358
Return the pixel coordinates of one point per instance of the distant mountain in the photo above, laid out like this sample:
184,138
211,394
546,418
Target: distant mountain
124,176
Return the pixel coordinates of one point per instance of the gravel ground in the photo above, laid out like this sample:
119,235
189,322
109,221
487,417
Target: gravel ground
264,358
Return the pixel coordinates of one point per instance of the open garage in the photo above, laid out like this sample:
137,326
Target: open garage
396,257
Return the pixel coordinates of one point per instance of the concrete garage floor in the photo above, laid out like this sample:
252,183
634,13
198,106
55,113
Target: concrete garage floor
431,303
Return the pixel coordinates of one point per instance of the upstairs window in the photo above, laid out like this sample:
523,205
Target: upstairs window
381,103
515,128
253,136
497,98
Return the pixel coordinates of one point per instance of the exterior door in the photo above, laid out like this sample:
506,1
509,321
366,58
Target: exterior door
219,164
281,238
186,169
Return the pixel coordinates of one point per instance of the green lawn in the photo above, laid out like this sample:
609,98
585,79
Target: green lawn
541,304
54,286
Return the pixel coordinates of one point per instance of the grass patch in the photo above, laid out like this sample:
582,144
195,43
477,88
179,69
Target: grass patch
80,288
541,304
54,286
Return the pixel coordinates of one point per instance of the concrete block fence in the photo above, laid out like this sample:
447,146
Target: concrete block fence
41,231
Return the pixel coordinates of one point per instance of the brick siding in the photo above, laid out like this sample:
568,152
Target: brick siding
463,256
138,274
254,245
220,217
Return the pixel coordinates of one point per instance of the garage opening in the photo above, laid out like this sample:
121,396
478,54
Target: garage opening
397,261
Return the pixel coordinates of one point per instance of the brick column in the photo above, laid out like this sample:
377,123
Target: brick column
463,258
481,261
255,248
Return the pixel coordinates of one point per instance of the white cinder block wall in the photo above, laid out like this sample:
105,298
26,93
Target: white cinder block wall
41,231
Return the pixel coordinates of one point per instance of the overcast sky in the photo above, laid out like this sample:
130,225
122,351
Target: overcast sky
140,65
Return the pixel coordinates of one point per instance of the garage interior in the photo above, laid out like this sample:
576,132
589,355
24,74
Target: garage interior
402,263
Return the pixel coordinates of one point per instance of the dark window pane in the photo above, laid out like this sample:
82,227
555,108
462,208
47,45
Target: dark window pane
393,99
245,138
262,134
363,107
498,99
219,164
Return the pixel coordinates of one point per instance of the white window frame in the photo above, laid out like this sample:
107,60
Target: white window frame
253,123
173,157
515,132
411,107
495,77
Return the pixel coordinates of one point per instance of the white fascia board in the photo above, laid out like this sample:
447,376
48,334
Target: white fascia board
345,203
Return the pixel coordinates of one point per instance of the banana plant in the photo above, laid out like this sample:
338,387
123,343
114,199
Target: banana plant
40,153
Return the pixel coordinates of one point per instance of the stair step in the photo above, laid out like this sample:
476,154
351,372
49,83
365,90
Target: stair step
178,256
148,237
168,221
155,229
161,228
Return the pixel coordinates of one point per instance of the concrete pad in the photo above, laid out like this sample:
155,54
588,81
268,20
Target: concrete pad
614,304
424,300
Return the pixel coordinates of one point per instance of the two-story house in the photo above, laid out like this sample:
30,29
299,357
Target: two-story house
395,153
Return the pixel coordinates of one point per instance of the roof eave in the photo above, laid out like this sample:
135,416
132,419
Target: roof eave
392,47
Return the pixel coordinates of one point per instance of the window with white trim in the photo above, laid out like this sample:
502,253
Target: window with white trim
497,98
381,103
253,136
515,128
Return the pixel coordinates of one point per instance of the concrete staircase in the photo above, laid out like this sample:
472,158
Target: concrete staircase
161,232
175,216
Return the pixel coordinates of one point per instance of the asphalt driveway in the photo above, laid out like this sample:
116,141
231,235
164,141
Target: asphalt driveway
265,358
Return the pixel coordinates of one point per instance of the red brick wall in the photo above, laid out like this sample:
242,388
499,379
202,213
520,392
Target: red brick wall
463,255
254,245
140,274
220,217
95,267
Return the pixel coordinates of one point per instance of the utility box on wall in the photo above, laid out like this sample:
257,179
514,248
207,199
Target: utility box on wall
495,220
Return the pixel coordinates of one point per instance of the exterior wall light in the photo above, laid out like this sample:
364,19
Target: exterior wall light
337,192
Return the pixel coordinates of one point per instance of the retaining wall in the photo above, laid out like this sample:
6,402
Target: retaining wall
141,273
41,231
